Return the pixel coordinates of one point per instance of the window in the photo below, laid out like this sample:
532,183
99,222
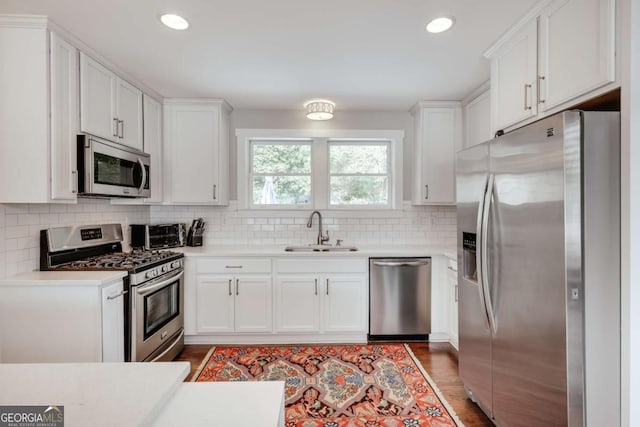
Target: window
359,173
280,173
319,169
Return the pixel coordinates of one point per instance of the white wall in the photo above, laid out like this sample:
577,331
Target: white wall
20,227
295,119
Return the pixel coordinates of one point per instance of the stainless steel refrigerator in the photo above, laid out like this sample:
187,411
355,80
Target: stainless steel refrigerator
539,272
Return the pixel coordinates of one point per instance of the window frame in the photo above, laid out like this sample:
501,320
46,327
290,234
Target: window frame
271,141
389,174
320,140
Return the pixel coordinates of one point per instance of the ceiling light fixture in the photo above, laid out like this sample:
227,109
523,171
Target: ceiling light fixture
175,22
440,25
319,109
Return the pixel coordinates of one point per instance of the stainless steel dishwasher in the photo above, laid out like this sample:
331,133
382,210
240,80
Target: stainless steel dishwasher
399,298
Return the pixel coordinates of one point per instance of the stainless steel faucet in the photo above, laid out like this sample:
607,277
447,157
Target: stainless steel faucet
321,237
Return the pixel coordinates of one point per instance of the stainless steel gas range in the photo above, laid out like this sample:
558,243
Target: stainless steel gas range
153,295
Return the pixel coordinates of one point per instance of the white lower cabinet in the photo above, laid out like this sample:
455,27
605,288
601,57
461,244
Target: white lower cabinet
64,321
252,300
321,303
452,280
233,304
344,303
298,302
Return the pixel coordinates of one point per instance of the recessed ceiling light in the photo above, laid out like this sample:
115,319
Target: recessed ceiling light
441,24
175,22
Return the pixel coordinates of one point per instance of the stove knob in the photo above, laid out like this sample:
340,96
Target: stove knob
175,264
147,275
164,268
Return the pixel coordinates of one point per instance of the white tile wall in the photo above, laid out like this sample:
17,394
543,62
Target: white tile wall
20,227
414,225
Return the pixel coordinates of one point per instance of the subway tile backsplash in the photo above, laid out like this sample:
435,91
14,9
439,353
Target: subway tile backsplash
413,225
20,226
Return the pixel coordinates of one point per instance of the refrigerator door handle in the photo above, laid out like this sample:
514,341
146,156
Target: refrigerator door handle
488,199
479,255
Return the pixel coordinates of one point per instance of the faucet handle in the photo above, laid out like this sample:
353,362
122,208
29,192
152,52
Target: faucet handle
339,242
324,238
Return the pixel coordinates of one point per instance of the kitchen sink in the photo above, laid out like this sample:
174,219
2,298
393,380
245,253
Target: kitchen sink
320,248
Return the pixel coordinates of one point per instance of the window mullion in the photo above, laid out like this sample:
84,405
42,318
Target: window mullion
320,173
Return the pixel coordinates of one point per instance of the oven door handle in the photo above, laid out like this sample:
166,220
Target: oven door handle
151,287
175,342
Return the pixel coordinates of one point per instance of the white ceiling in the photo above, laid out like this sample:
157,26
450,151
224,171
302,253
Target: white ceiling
363,54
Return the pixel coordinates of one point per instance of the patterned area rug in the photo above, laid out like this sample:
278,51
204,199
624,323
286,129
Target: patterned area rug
339,386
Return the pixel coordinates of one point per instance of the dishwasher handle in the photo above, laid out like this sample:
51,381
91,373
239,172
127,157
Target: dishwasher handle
400,263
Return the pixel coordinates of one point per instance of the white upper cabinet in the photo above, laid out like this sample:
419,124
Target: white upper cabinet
64,119
513,79
153,145
39,111
438,129
477,119
577,49
110,107
562,53
129,114
196,160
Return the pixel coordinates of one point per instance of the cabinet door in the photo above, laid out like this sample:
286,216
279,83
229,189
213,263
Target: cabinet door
97,99
513,79
193,141
129,114
64,119
214,304
344,303
577,49
438,130
253,304
113,323
478,120
153,145
452,277
298,303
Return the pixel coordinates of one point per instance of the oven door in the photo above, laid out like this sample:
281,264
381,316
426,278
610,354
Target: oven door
158,318
108,169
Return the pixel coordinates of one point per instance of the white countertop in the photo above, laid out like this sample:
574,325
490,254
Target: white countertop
238,404
95,394
278,250
64,278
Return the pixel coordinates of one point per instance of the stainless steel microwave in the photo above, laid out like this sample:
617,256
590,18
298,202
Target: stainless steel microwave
107,169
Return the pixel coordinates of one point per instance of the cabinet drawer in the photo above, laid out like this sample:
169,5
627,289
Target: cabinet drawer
333,265
234,265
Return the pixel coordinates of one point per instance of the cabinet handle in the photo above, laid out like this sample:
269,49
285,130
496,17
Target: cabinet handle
230,292
215,196
316,286
116,121
232,266
237,286
121,133
118,295
456,293
74,181
327,286
540,79
426,192
526,96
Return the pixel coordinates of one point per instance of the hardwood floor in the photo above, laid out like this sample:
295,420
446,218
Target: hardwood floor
439,360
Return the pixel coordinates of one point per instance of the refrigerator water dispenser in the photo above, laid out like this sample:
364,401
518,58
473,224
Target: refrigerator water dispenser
469,268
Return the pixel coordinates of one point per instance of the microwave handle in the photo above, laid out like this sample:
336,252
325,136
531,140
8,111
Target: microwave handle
144,176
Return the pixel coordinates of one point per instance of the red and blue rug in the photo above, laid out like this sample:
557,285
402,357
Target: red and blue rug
339,385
